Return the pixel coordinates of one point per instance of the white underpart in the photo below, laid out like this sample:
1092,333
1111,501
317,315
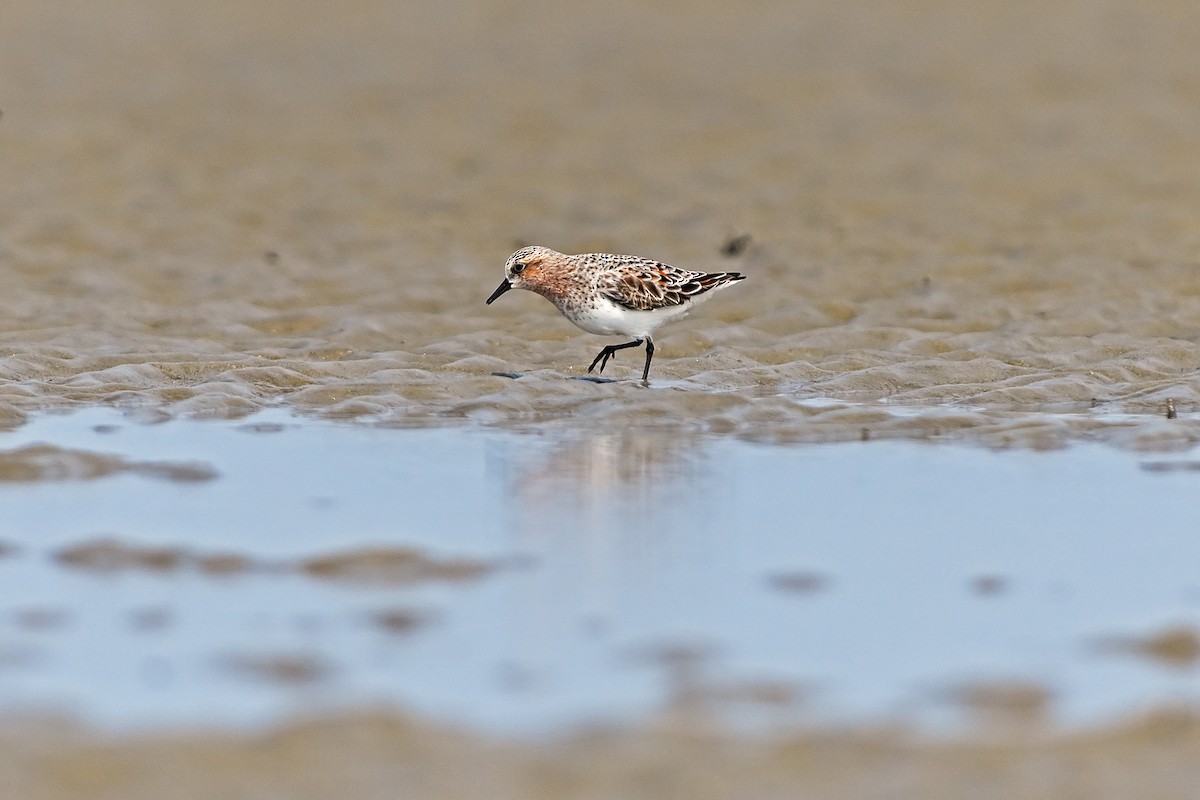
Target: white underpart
610,319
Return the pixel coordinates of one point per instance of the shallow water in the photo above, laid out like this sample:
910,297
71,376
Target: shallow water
521,583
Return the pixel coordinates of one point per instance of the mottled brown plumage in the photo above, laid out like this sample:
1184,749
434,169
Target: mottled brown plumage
645,285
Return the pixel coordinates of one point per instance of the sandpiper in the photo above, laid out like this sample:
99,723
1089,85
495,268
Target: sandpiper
611,294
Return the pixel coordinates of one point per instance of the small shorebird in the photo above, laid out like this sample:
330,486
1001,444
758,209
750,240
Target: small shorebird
610,294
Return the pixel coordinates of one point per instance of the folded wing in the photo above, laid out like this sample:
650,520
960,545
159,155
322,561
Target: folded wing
645,286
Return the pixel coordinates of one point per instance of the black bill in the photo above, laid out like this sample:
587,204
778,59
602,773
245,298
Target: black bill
501,289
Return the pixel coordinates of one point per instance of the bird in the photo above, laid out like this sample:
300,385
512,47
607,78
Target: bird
609,294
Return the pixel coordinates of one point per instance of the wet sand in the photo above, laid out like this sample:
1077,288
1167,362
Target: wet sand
969,221
213,210
387,756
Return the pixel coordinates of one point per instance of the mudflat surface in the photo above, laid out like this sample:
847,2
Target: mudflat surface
212,209
968,221
388,756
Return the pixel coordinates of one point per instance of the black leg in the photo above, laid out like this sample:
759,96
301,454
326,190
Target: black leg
604,355
649,355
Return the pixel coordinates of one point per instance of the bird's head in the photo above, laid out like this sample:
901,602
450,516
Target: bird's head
523,269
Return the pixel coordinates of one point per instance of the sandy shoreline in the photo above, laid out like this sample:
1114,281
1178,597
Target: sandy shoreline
386,756
214,211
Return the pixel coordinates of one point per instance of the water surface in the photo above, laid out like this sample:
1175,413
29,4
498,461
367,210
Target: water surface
522,583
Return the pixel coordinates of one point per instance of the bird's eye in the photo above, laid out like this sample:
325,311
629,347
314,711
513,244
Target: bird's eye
518,268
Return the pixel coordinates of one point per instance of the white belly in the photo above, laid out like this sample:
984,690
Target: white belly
609,319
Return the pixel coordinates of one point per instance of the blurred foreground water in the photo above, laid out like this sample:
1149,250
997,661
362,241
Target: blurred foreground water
241,573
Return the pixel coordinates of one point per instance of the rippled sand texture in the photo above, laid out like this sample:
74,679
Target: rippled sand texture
213,207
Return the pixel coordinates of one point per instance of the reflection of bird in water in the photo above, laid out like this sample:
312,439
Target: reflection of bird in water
593,469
